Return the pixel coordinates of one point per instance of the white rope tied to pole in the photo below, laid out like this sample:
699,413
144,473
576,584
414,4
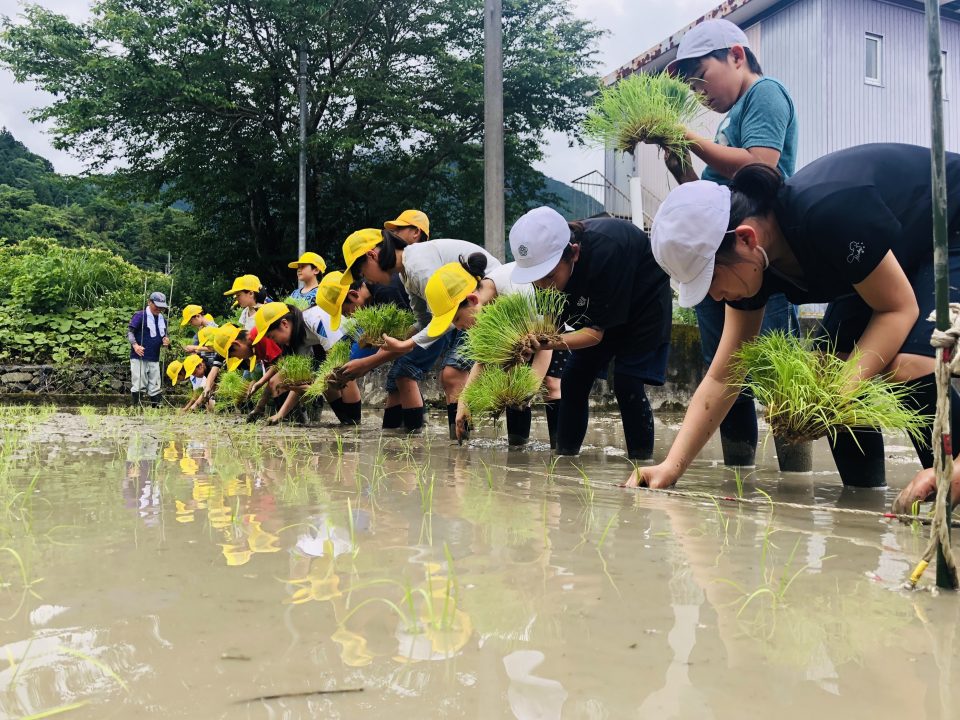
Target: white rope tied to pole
948,362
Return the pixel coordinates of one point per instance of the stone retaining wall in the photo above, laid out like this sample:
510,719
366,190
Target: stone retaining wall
108,382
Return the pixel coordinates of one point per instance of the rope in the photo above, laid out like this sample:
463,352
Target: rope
948,362
766,502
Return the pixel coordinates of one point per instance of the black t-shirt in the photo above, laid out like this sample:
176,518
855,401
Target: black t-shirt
617,286
842,213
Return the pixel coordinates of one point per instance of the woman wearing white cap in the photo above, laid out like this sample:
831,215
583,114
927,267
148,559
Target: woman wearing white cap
618,298
853,229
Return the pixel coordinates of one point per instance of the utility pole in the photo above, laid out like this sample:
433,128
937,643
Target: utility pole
494,230
302,190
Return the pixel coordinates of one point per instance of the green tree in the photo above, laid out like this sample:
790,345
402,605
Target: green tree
197,100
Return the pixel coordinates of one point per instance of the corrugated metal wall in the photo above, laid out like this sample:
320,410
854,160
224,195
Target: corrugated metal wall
816,48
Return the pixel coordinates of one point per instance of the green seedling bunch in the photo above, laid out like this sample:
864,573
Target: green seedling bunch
808,395
231,390
300,303
643,108
505,329
337,357
369,324
496,389
295,369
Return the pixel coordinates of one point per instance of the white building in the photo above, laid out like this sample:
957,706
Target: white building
857,71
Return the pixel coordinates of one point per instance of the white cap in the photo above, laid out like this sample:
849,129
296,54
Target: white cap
687,233
707,37
537,241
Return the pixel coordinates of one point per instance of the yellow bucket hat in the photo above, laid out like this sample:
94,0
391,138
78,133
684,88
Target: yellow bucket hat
223,338
190,364
245,282
410,218
445,290
309,258
267,316
188,312
356,245
234,362
206,334
330,297
173,371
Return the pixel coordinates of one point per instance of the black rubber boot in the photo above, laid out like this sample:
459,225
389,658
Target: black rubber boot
518,426
155,400
135,399
413,419
452,420
861,466
392,417
347,413
738,433
923,397
552,410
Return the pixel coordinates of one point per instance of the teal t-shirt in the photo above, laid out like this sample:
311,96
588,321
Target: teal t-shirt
763,117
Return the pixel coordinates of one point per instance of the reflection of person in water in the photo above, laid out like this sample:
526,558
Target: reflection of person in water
139,489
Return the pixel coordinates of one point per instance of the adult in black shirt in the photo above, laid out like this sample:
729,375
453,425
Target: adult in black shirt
853,229
618,301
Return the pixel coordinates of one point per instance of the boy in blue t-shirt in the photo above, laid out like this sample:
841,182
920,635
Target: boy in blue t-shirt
715,59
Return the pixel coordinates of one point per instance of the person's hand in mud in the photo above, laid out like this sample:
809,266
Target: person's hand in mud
923,487
274,419
655,477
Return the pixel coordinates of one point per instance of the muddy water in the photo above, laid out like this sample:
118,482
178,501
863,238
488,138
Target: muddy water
181,567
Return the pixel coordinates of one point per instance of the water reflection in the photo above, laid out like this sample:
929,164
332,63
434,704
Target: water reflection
244,563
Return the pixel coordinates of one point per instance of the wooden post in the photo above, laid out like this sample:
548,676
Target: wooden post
494,230
941,268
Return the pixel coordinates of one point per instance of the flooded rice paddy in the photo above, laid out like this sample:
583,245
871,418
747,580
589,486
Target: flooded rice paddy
192,567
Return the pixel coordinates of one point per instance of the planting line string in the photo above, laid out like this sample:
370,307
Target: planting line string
758,502
948,362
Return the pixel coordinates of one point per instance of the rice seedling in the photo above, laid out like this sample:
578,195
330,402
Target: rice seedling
336,358
295,369
496,389
369,324
231,390
808,395
300,303
505,329
643,108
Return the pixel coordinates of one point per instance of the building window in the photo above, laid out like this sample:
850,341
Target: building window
873,59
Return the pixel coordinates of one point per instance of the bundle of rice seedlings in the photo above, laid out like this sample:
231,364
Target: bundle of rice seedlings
299,303
295,369
337,357
496,389
368,325
504,329
640,108
231,390
808,394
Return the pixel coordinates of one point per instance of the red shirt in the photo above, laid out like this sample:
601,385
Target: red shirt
266,350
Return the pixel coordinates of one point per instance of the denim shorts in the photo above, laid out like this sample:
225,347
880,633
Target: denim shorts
779,314
419,361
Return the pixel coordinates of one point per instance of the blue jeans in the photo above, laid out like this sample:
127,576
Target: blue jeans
738,430
419,361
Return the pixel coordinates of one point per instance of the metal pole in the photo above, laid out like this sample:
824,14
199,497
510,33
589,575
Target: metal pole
494,231
941,269
302,190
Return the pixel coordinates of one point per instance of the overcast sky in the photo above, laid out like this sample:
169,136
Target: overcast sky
632,26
